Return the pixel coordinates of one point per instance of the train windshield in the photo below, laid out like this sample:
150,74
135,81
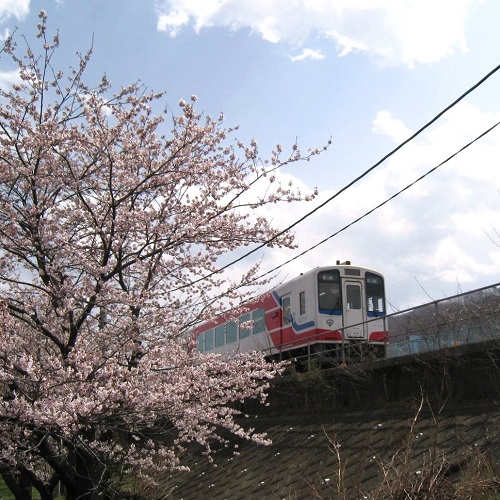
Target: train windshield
375,298
329,292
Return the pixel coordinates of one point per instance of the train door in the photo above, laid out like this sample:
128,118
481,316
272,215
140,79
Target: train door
354,311
286,319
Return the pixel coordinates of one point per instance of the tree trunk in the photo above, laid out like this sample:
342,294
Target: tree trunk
20,485
89,481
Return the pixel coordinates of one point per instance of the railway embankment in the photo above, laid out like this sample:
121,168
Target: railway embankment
420,426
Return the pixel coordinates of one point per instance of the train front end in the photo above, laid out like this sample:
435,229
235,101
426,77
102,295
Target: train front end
351,305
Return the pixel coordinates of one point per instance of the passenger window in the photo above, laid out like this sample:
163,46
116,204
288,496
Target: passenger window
287,313
302,303
220,335
329,296
244,331
200,342
353,296
209,340
329,291
375,293
231,332
375,304
258,321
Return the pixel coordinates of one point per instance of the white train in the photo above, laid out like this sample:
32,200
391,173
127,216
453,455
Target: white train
337,309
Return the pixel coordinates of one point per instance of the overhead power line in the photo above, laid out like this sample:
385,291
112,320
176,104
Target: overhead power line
380,205
350,184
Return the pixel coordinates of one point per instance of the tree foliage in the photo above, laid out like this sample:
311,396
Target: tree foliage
111,234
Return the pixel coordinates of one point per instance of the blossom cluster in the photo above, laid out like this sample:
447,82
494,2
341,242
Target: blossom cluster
110,238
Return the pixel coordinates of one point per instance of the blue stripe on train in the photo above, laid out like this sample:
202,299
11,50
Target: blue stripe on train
296,326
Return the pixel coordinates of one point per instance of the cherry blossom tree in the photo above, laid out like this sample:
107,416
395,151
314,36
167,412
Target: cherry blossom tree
113,226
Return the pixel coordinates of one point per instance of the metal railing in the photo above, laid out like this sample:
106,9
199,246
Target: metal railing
466,318
463,319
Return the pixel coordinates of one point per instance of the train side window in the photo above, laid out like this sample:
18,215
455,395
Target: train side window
329,299
220,335
231,332
302,303
353,296
287,312
200,342
244,331
209,340
258,321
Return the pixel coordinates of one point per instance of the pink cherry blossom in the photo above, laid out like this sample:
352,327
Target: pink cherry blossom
108,222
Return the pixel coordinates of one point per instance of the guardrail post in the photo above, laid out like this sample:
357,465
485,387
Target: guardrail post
308,355
343,347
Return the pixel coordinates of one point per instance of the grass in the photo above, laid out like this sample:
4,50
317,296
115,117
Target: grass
5,493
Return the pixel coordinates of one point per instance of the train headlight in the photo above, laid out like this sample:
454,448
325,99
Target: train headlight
329,322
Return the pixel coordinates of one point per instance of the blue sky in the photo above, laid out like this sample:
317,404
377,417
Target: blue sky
368,73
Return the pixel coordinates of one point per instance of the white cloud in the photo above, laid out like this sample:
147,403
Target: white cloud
346,44
385,124
396,32
7,78
433,237
315,55
16,8
172,22
431,240
452,263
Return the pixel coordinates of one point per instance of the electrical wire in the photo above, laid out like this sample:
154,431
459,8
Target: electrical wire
366,214
347,186
369,212
380,205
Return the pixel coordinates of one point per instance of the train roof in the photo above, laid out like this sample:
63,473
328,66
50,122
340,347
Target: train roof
339,266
